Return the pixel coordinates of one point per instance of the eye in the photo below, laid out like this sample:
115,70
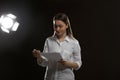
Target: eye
55,26
60,26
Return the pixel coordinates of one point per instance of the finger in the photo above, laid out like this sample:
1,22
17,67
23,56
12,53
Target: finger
38,51
34,55
34,50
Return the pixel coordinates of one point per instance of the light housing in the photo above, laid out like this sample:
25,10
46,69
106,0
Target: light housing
8,23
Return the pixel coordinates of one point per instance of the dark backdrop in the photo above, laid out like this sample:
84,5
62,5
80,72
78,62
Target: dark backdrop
95,23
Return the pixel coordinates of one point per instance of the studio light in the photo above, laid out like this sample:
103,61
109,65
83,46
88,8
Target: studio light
8,23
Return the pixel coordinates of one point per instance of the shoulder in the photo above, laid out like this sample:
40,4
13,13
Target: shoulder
74,40
75,43
51,38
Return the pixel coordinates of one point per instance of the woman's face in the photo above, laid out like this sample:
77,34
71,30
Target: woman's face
60,27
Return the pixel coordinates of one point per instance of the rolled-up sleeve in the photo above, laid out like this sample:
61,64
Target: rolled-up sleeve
45,50
77,54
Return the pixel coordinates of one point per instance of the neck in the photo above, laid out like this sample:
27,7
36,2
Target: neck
62,37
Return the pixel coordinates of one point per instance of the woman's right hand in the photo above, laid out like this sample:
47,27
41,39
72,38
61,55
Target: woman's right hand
36,53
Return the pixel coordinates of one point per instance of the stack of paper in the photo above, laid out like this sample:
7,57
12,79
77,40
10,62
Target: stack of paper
52,56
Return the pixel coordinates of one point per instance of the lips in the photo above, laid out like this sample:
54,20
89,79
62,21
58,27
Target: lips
57,32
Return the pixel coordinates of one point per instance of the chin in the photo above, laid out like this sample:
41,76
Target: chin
58,34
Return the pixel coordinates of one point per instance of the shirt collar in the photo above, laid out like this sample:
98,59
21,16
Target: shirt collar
66,38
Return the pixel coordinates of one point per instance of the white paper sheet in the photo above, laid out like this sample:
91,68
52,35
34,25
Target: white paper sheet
52,56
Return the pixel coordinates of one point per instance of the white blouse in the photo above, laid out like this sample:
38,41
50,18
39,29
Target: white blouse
70,50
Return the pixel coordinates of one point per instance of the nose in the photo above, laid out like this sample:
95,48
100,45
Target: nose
57,28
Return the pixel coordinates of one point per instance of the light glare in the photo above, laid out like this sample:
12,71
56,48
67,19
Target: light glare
1,18
15,26
5,30
11,16
7,22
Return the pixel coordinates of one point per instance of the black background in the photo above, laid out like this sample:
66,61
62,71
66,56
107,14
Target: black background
95,23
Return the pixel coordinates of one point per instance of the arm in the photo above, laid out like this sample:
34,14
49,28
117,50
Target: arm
41,60
44,61
76,62
77,55
36,54
69,64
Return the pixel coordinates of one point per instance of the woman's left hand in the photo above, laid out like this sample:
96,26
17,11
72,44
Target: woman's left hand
68,64
64,62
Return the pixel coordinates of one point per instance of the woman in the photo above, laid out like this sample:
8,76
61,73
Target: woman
64,43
